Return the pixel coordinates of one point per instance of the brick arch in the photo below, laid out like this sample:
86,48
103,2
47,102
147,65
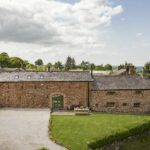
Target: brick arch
57,93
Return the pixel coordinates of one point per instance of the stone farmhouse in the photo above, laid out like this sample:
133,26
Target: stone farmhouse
67,90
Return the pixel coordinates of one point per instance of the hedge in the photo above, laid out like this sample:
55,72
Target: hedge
119,136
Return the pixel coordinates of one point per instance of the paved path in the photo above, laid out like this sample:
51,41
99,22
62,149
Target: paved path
25,129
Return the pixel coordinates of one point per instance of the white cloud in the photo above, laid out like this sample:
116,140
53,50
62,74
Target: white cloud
139,34
56,25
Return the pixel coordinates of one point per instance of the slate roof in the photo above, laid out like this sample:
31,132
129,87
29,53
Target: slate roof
120,83
44,76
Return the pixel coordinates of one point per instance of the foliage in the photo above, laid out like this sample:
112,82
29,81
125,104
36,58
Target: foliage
146,70
4,60
39,62
58,65
93,66
43,148
85,65
138,143
16,62
120,136
75,132
49,65
70,63
107,67
41,68
25,63
103,68
99,67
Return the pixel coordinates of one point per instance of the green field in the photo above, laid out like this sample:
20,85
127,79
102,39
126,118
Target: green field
75,131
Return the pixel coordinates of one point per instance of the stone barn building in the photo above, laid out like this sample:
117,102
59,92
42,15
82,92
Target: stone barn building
67,90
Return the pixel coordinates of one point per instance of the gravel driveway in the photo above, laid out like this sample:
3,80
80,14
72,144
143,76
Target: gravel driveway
25,129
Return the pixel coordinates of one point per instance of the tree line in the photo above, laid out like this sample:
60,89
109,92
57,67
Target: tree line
15,62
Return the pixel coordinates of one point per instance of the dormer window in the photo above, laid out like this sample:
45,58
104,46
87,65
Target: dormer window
29,77
16,76
41,77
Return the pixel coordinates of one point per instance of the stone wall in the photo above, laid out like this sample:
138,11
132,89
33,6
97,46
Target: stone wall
39,94
121,101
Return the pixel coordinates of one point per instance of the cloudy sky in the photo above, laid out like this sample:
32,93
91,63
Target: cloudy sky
101,31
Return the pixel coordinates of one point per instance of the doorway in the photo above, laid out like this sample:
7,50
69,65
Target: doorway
58,102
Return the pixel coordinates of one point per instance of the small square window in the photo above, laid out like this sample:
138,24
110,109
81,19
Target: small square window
124,104
41,76
137,104
110,104
29,77
16,76
138,92
111,92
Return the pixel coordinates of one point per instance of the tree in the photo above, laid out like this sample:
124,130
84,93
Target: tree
93,66
85,65
39,62
146,70
58,65
70,63
49,65
16,62
99,68
4,60
31,66
25,63
107,67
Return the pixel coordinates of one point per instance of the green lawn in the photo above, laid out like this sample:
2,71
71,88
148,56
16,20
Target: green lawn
75,131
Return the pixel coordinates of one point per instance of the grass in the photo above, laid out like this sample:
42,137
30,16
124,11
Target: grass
43,148
141,143
74,132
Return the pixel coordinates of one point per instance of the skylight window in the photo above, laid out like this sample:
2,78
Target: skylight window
29,77
41,76
16,76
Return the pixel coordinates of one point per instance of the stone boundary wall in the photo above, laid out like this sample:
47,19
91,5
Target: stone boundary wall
121,101
38,94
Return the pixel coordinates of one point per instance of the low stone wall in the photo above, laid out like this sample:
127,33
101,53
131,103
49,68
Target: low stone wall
121,101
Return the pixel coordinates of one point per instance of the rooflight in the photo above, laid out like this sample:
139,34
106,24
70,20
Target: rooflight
29,77
16,76
41,76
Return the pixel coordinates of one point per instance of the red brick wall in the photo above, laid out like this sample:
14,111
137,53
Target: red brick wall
101,98
38,94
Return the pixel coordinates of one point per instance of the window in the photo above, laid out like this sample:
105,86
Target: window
96,105
111,92
29,77
110,104
124,104
138,92
41,77
137,104
16,76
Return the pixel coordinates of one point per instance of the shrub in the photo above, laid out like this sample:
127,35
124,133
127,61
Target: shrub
119,136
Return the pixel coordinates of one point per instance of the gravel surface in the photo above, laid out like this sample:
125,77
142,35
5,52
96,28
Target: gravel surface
25,129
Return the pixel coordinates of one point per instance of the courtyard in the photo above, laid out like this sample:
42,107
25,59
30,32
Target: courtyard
25,129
